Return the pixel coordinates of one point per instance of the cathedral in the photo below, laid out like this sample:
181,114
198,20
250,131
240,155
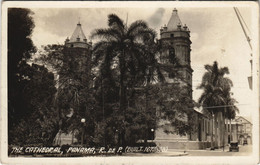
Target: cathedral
177,36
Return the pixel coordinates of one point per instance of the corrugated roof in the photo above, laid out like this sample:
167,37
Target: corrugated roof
78,33
174,21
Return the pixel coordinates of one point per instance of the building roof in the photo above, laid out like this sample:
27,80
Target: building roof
174,21
78,33
246,118
199,110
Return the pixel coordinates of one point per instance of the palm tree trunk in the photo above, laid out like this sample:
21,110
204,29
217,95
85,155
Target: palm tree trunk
223,140
146,131
230,126
53,136
72,138
122,99
212,147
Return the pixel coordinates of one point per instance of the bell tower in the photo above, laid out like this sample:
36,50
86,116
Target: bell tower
176,55
78,52
176,67
78,39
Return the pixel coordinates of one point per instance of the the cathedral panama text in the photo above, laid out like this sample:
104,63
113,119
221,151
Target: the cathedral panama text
85,150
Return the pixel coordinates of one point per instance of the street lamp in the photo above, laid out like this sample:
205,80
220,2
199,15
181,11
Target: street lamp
152,130
116,138
83,121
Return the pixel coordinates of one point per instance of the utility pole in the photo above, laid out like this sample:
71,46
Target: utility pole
243,25
224,126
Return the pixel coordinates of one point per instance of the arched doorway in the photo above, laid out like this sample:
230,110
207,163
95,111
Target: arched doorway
241,139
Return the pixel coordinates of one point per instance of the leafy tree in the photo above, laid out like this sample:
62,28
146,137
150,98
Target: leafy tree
161,105
20,48
75,98
176,108
38,94
231,109
216,92
30,87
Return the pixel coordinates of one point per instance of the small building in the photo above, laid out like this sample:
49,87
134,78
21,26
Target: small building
240,130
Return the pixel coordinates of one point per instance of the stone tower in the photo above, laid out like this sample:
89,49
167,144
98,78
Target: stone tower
78,39
78,51
176,65
176,37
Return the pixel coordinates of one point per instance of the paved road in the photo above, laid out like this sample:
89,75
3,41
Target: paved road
243,151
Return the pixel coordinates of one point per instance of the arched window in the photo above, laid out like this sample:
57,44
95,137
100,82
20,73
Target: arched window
171,55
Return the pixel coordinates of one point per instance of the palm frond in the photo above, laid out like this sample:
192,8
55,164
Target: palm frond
135,26
223,71
116,23
147,35
108,34
208,68
101,48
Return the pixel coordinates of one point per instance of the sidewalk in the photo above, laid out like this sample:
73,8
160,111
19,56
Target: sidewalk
226,149
178,152
168,153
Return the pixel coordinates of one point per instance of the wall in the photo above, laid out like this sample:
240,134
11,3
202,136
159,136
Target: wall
185,145
160,135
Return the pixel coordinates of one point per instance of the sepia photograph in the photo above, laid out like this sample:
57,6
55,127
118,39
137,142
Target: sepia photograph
130,82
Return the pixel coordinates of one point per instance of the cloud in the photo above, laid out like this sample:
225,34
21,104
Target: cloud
156,18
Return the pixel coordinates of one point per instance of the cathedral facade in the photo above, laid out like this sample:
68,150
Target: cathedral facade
176,36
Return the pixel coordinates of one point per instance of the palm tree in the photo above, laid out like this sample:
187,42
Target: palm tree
128,52
215,86
230,109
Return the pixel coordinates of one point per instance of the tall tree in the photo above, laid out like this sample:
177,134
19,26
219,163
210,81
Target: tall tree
20,48
124,48
38,94
215,88
75,97
163,106
31,87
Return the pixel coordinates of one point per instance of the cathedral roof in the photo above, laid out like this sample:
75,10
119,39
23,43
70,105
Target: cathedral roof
78,34
174,21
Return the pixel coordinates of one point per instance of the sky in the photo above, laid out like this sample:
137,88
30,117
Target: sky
216,35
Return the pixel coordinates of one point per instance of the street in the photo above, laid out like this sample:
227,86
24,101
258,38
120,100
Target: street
243,151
